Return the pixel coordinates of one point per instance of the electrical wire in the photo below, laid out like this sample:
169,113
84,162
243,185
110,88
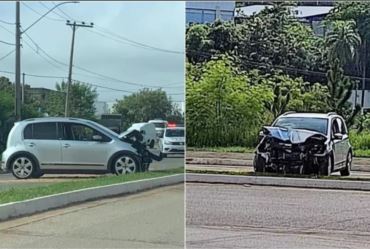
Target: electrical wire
5,56
247,62
7,43
38,13
46,7
5,22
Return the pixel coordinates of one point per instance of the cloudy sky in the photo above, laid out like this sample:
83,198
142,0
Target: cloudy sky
132,44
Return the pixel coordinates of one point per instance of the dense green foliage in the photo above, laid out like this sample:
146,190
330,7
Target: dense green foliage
145,105
271,63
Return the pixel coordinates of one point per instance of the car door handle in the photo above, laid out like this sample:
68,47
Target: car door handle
31,144
66,145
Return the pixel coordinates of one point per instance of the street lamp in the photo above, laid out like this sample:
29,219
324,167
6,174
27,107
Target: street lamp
56,6
18,34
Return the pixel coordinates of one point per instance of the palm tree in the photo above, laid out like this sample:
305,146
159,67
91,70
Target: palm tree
343,41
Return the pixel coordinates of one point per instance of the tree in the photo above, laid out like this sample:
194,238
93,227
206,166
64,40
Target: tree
340,90
223,108
145,105
343,41
82,98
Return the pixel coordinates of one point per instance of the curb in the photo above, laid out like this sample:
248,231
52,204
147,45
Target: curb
249,163
279,181
27,207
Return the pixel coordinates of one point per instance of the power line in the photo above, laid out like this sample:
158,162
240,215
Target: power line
46,7
5,22
304,71
101,76
64,13
38,13
135,42
7,43
2,58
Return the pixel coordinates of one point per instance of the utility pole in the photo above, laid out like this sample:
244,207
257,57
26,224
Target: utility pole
18,34
74,25
363,77
17,108
23,84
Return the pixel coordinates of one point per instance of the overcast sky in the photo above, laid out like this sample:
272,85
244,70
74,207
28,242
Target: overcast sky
157,24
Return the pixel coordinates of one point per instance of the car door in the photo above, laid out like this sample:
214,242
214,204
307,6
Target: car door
80,151
41,139
338,144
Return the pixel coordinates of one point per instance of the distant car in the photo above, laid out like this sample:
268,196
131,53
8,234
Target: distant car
173,141
305,143
69,145
160,126
148,132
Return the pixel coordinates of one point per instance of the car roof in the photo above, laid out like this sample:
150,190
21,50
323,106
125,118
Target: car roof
308,115
53,119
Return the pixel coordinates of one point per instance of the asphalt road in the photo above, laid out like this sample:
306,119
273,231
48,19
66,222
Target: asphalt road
151,219
234,216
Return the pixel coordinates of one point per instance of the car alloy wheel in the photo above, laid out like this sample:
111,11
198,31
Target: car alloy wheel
22,167
125,165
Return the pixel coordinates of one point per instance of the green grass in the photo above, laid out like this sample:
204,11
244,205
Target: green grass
276,175
18,194
235,149
238,149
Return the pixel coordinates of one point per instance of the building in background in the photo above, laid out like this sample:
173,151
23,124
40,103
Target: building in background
312,16
208,12
101,107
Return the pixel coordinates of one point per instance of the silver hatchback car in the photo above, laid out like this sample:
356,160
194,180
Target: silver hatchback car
70,145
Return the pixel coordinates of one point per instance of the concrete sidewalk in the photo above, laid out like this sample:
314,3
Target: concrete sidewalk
246,160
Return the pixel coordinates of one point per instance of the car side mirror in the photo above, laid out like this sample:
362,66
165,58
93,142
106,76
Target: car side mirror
97,138
338,136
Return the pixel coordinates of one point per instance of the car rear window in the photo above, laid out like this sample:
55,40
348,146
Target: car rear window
45,130
175,133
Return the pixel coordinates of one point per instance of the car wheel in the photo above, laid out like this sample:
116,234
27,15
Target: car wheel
326,166
259,164
23,167
347,170
151,145
163,155
126,163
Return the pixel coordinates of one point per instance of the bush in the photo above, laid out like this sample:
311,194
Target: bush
360,141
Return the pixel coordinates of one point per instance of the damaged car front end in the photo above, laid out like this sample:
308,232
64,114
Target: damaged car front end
287,150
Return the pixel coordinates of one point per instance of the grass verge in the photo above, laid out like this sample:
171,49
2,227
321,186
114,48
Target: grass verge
221,172
239,149
235,149
16,194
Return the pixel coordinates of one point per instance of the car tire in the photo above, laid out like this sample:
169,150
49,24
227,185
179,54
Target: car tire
326,166
126,163
37,174
347,170
151,145
259,164
23,166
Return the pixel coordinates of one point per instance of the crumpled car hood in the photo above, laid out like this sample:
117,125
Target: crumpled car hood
294,136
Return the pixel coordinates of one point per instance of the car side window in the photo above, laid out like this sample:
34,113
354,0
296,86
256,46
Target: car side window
42,131
335,127
80,132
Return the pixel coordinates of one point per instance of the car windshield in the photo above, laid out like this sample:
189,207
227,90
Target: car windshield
313,124
175,133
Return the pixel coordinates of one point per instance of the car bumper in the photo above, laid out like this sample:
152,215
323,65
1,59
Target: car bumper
173,149
3,161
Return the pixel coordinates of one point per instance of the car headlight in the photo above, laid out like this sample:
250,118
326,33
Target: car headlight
168,143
